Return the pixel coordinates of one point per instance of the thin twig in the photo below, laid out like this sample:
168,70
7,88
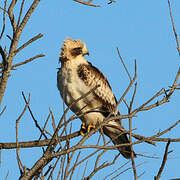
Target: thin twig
44,126
130,135
17,137
116,177
53,120
35,121
116,170
28,14
20,13
130,84
74,166
4,19
163,162
61,168
53,168
165,131
26,61
11,15
124,65
3,55
84,159
4,9
163,100
102,166
3,111
85,168
174,29
29,42
87,3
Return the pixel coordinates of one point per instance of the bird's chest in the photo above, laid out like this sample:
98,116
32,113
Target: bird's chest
72,88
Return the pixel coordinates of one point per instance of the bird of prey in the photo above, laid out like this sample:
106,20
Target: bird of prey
75,78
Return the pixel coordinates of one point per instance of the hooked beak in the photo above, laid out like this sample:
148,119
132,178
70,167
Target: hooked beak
85,52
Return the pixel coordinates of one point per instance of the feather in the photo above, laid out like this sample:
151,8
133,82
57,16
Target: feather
75,78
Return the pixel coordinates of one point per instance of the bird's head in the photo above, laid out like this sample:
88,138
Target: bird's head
73,48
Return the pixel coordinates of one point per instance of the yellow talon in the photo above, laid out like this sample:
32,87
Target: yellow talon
82,133
83,129
83,126
90,126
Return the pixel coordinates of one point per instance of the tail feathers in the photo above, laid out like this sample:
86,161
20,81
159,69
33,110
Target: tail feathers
124,150
118,139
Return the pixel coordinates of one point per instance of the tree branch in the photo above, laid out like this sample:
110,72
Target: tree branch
87,3
174,29
163,162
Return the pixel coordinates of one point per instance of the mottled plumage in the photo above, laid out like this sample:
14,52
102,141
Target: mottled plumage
75,78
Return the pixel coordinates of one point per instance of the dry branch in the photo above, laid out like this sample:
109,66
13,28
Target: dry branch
87,3
163,162
124,64
20,13
174,29
17,137
29,42
102,166
35,121
17,30
4,19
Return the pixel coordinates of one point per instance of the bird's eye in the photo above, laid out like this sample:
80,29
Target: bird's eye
76,51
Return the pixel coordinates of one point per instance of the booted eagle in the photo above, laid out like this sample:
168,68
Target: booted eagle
76,77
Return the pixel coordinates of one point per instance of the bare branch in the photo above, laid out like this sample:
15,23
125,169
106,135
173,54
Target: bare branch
115,177
174,29
4,58
102,166
36,143
165,131
130,84
130,136
163,162
87,3
16,35
116,170
27,16
35,121
4,19
26,61
45,126
17,138
11,15
20,13
124,64
74,166
163,100
28,42
3,111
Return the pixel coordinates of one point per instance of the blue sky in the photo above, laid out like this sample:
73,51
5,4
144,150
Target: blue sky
141,30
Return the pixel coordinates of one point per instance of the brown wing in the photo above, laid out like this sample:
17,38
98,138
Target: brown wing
92,77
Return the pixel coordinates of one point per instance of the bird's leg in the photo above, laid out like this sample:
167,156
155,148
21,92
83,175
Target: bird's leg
90,126
83,129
